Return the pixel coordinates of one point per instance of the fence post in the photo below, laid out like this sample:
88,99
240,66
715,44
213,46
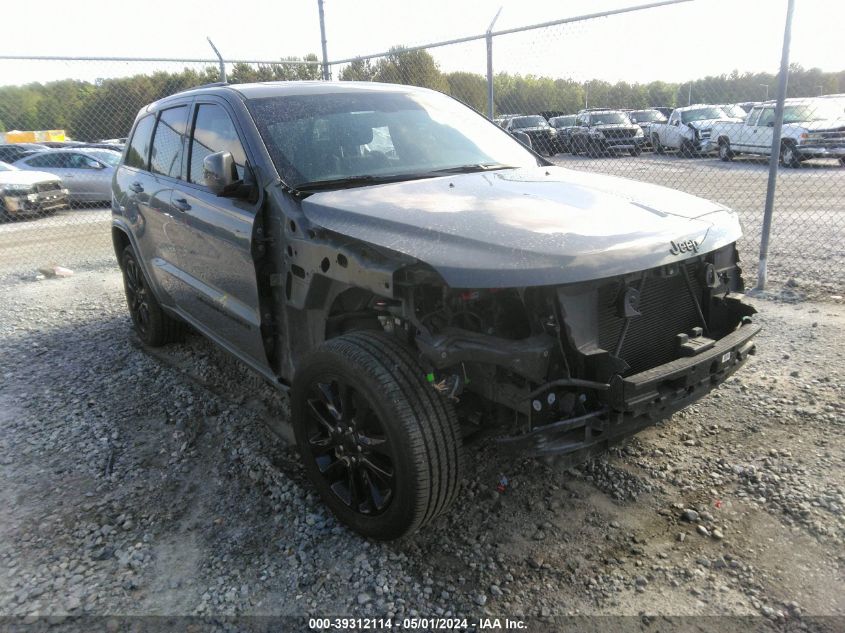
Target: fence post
774,157
323,41
489,37
220,60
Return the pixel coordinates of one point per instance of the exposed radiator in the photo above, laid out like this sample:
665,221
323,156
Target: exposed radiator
667,309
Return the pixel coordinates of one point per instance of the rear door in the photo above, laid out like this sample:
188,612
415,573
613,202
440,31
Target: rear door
215,252
144,199
57,163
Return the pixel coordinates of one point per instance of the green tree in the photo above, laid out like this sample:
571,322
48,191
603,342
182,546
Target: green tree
359,70
414,68
469,88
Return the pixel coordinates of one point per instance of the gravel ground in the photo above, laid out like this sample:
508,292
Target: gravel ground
161,482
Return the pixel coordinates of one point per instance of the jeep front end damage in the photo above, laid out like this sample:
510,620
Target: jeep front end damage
584,363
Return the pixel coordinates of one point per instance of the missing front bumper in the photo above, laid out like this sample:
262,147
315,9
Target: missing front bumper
640,400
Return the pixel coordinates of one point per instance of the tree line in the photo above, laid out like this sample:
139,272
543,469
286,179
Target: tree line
106,108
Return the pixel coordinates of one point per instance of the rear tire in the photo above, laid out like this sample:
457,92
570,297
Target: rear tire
380,445
152,324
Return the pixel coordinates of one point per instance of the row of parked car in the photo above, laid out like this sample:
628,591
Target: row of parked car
42,178
812,128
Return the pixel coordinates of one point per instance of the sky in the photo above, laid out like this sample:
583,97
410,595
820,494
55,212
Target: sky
690,40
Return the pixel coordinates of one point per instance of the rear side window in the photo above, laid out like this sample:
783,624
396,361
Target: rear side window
213,132
45,160
168,142
139,148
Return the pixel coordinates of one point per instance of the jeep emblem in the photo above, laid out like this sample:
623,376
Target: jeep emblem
686,246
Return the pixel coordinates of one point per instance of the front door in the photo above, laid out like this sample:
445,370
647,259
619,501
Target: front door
765,131
748,132
215,250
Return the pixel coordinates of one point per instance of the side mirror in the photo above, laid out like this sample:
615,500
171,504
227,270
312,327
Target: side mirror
523,138
770,124
218,171
675,122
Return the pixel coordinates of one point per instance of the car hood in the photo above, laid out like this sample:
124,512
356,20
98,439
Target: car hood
25,177
526,227
531,129
704,124
616,126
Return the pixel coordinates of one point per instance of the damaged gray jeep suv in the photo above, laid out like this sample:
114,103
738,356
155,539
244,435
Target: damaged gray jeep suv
414,276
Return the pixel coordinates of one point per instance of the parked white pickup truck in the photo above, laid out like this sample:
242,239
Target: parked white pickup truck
688,129
812,128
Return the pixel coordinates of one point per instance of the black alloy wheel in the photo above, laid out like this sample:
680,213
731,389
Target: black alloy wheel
350,447
154,326
379,443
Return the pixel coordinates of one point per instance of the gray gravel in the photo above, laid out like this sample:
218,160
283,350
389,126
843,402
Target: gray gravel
141,482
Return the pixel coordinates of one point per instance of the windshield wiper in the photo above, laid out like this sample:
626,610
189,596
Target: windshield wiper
468,169
350,181
369,179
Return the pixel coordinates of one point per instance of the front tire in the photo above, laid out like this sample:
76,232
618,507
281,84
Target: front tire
725,153
380,445
655,143
687,150
152,324
789,156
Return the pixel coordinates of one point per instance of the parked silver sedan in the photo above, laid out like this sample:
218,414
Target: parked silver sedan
85,173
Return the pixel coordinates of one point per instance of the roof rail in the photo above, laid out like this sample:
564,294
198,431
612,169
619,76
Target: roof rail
213,84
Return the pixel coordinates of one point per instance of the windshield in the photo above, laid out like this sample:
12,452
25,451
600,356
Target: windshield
736,111
609,118
347,135
563,121
820,111
647,116
702,114
530,121
7,167
109,157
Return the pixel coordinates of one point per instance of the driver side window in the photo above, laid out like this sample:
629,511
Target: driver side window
213,132
79,161
767,117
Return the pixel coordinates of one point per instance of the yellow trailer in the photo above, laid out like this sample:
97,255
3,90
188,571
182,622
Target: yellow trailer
36,136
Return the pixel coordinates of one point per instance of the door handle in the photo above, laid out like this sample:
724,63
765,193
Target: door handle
137,187
181,204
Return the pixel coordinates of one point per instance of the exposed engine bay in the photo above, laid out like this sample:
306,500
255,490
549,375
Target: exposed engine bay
581,358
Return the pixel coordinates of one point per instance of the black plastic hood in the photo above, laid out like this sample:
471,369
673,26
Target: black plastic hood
527,227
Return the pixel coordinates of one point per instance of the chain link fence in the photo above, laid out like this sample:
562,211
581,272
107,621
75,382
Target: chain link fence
708,136
63,125
717,145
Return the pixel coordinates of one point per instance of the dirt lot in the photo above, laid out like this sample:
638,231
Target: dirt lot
136,482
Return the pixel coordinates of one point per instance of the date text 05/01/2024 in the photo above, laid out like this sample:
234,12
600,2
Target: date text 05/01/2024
424,624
